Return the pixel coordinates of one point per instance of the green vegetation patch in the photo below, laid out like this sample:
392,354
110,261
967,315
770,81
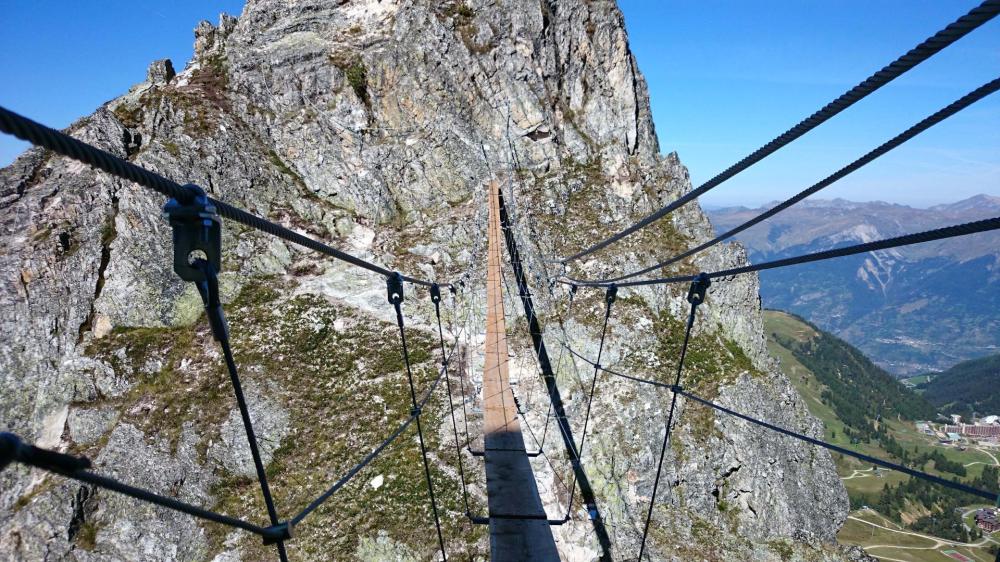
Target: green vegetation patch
340,375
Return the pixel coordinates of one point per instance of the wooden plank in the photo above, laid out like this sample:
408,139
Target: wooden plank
510,482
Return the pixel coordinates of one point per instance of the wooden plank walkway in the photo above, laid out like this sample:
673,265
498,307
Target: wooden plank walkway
510,482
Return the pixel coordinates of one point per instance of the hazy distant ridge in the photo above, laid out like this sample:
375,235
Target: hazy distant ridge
913,309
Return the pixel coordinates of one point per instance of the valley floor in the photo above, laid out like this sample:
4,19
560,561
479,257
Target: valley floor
877,534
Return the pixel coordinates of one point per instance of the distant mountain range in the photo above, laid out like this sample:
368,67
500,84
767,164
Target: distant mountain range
914,309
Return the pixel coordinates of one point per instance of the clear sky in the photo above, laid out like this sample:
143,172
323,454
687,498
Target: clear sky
61,59
724,78
727,76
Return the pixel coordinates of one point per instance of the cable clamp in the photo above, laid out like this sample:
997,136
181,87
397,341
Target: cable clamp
197,234
676,388
453,290
598,366
699,285
278,533
572,288
415,412
445,363
611,295
394,285
435,293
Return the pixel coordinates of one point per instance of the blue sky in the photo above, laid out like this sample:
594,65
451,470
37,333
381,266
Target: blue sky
724,78
727,76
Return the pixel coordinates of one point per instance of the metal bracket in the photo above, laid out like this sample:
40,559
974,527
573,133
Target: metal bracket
394,285
611,295
699,285
197,228
435,293
278,533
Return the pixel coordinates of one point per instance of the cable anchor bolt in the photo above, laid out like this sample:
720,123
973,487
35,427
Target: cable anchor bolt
197,232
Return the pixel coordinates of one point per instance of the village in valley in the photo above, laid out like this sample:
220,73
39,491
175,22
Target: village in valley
982,434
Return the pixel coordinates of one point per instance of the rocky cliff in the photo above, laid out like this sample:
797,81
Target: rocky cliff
375,126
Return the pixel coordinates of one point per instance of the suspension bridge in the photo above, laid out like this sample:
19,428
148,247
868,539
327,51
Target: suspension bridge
520,528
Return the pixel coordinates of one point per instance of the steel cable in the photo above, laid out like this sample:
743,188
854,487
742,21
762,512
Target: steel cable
964,229
40,135
953,32
696,296
395,288
956,106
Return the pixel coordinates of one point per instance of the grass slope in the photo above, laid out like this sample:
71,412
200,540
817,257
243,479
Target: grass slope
894,542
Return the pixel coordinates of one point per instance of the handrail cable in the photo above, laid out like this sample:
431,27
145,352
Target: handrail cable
953,108
12,449
59,142
992,496
953,32
963,229
538,341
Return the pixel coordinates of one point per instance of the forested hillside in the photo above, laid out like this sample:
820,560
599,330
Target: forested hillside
864,409
859,391
969,386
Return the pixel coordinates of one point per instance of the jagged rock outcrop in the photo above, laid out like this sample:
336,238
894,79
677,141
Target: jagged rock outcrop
375,126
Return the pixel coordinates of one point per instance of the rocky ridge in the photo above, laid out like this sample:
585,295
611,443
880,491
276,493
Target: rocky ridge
376,125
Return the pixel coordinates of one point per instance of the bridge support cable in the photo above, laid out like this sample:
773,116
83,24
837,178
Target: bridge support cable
964,229
61,143
559,411
197,230
609,299
436,299
13,449
956,106
696,296
394,285
932,45
952,484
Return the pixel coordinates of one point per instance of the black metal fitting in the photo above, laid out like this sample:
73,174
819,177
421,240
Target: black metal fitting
9,445
435,293
416,412
699,285
598,366
676,388
209,290
197,228
453,290
611,295
278,533
394,285
12,448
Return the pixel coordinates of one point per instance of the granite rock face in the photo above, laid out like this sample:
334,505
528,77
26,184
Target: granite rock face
376,126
